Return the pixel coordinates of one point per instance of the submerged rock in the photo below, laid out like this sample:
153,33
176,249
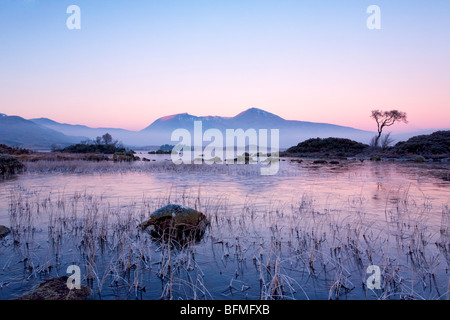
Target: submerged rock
4,231
56,289
176,221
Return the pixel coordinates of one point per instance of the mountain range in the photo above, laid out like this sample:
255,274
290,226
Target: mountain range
17,131
291,132
43,132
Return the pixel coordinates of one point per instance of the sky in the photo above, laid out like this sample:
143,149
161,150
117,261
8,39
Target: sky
137,60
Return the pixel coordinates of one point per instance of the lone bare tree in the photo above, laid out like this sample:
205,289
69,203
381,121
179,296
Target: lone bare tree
386,119
107,138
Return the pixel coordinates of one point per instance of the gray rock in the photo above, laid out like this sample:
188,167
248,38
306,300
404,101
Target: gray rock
176,221
4,231
56,289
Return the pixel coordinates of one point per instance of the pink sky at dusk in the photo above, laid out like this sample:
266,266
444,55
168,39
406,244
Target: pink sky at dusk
299,61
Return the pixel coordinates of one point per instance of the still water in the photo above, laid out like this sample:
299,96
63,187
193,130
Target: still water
309,232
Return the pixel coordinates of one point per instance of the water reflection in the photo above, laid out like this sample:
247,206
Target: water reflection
327,184
335,218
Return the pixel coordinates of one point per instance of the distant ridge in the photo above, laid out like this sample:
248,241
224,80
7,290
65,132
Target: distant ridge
159,132
46,132
16,131
291,131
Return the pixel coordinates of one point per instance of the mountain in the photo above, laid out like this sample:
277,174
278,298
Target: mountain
256,118
251,118
291,131
44,132
160,131
127,137
17,131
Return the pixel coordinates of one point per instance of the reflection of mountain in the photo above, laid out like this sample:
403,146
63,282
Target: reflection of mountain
20,132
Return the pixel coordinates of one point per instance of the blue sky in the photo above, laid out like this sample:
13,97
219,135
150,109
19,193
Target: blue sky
134,61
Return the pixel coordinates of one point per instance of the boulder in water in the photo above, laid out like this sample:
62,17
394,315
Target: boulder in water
56,289
4,231
176,221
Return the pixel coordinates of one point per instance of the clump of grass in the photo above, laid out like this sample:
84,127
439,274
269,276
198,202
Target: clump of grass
9,165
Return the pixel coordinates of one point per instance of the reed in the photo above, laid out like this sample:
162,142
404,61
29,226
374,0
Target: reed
298,250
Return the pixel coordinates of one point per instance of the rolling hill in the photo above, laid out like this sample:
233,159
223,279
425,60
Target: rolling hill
17,131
